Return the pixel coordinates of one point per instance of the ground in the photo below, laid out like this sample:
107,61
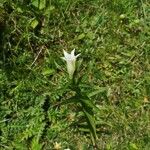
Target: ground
113,71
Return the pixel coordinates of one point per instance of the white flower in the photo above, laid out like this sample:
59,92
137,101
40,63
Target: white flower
67,149
57,146
71,60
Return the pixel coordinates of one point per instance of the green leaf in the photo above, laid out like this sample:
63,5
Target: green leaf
91,123
42,4
84,129
90,35
35,145
34,23
49,9
81,36
35,3
133,146
90,104
97,91
71,100
48,71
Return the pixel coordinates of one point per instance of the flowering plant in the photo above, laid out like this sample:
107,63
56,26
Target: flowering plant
80,99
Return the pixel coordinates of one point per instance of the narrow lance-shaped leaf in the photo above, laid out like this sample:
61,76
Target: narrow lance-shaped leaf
90,104
91,123
97,91
71,100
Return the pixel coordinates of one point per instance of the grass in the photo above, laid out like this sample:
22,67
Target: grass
113,39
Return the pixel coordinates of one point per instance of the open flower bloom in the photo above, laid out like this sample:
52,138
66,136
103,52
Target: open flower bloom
71,60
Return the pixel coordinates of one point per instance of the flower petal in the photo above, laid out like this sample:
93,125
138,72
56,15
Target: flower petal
78,55
67,55
63,58
72,53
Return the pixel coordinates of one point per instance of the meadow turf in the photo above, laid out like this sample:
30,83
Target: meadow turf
113,37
